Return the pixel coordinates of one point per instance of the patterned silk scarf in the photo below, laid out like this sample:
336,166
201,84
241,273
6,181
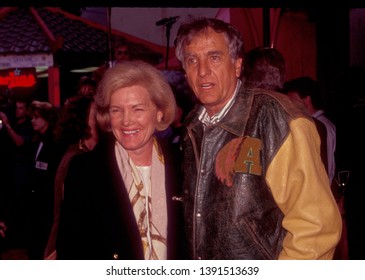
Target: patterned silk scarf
146,189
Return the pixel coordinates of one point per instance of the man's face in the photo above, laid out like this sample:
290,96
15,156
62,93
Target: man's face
20,110
210,71
121,53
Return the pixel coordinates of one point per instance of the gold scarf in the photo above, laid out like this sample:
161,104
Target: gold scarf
151,213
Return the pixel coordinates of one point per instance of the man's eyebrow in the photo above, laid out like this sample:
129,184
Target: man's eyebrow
214,52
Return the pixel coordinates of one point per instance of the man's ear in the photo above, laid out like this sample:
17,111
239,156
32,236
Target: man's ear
307,101
239,67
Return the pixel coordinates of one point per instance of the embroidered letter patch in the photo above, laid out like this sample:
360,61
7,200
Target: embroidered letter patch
238,155
248,160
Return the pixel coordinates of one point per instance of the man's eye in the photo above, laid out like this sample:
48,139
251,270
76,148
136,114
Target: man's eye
215,58
191,60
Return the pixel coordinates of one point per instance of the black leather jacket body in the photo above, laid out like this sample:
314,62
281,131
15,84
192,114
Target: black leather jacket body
230,212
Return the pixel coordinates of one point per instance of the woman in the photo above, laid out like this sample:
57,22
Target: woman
2,236
105,214
2,229
39,191
77,130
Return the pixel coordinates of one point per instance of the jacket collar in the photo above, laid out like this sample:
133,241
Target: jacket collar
236,118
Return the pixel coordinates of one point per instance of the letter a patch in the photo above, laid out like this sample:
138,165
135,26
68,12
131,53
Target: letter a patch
238,155
248,160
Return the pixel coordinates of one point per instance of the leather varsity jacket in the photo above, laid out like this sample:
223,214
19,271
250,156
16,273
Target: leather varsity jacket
255,186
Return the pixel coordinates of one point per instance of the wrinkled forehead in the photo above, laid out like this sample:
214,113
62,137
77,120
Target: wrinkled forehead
206,32
20,105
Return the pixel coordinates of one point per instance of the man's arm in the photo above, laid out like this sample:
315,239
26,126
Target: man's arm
18,139
299,183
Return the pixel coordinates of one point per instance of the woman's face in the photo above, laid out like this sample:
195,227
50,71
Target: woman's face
133,119
39,124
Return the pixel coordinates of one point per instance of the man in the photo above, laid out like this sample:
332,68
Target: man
121,53
307,92
2,236
20,134
15,162
2,229
251,161
264,68
24,128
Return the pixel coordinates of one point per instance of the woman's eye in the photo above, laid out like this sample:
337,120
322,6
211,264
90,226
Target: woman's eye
115,111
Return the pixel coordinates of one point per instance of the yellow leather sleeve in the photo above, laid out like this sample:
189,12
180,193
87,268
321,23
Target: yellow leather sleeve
299,184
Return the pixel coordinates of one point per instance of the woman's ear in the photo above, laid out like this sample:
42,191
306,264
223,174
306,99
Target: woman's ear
159,116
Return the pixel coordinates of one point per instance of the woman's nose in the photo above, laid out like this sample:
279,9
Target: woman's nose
127,118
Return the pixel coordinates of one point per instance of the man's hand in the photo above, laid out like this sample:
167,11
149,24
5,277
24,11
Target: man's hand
2,229
4,118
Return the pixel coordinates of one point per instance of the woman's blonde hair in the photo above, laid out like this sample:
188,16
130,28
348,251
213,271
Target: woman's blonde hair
131,73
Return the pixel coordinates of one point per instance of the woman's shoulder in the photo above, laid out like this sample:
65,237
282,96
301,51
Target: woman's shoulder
95,159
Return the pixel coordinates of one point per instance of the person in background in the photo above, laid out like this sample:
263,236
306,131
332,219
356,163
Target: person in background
174,131
86,87
39,193
5,180
121,52
2,229
122,200
350,154
251,160
17,143
264,68
20,133
306,90
77,130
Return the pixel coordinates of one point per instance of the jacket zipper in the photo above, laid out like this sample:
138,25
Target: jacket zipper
197,163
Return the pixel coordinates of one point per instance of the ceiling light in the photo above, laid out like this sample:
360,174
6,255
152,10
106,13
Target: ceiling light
43,75
85,70
39,69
